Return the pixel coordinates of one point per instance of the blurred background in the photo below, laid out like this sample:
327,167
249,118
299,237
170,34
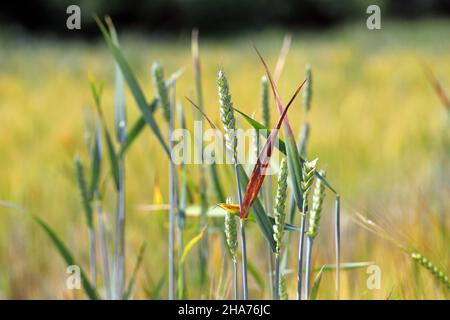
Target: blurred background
377,126
222,16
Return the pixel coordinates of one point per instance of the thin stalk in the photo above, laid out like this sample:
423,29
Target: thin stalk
244,261
267,197
120,234
181,266
337,233
181,200
268,205
172,200
242,229
92,256
104,249
235,280
277,276
202,179
300,252
271,268
309,245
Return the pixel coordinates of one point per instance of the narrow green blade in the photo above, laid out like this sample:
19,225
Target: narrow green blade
60,247
316,283
133,85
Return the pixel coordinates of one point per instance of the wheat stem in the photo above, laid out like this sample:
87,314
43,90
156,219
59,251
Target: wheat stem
104,248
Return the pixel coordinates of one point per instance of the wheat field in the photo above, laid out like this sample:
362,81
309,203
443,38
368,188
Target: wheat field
377,127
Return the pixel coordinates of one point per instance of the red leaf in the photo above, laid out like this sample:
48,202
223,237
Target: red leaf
258,174
438,88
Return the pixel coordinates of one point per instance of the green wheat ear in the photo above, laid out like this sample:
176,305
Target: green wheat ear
161,89
308,170
265,101
279,208
231,233
316,210
227,112
438,274
283,288
307,92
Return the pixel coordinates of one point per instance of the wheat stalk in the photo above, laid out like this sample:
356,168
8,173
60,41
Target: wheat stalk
229,124
232,244
308,170
313,226
279,215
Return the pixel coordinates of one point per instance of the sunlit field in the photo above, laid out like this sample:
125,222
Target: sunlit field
377,127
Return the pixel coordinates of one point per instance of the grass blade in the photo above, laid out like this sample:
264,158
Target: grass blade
119,100
133,85
96,158
136,129
132,281
60,247
192,243
316,283
82,186
97,93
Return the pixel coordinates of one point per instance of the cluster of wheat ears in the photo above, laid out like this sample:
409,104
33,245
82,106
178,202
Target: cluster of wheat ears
255,200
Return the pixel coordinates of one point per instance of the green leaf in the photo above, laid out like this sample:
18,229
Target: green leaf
96,92
155,292
82,186
133,85
191,244
138,264
112,158
262,130
136,129
60,247
96,158
316,283
346,266
119,100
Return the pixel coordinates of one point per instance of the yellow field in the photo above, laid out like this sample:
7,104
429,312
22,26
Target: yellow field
377,127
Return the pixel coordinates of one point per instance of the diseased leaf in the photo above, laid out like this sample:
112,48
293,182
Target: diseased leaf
259,171
260,215
293,156
445,100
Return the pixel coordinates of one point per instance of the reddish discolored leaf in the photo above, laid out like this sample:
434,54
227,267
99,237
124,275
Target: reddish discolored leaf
259,171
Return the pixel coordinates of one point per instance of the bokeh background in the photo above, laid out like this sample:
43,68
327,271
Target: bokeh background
377,126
